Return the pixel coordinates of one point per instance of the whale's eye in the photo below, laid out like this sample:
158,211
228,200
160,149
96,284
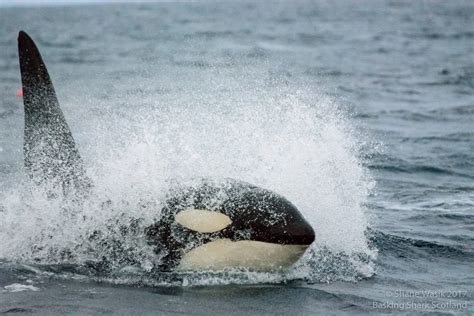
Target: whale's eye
202,221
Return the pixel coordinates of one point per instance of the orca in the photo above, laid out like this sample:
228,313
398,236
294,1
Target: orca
211,225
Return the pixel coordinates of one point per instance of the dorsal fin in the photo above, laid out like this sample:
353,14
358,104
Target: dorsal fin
51,158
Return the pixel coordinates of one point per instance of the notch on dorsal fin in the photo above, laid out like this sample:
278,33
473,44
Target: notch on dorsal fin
51,158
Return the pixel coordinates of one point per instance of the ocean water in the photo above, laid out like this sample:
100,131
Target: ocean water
360,113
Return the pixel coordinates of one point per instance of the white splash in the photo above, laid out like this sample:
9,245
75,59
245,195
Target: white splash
295,142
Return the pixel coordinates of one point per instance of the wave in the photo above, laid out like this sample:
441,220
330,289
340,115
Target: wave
461,167
451,137
428,34
439,115
405,247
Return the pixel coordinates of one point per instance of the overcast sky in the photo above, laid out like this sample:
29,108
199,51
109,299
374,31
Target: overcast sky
39,2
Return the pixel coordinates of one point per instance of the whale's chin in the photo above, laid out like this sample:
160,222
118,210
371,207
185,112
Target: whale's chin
247,254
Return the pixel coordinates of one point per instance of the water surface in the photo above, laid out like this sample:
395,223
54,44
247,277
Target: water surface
360,113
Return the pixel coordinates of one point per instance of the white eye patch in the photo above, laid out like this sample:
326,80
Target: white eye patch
202,221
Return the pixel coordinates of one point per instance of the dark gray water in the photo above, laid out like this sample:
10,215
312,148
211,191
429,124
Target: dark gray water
362,114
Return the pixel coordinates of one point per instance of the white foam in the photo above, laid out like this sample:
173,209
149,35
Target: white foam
17,287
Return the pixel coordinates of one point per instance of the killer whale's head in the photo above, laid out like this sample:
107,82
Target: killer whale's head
229,224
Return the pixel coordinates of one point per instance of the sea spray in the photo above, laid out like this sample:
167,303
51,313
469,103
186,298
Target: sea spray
296,142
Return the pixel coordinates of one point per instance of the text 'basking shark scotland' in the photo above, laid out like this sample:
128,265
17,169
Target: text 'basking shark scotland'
214,225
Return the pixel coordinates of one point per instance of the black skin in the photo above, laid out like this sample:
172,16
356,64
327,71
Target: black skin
51,157
257,214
